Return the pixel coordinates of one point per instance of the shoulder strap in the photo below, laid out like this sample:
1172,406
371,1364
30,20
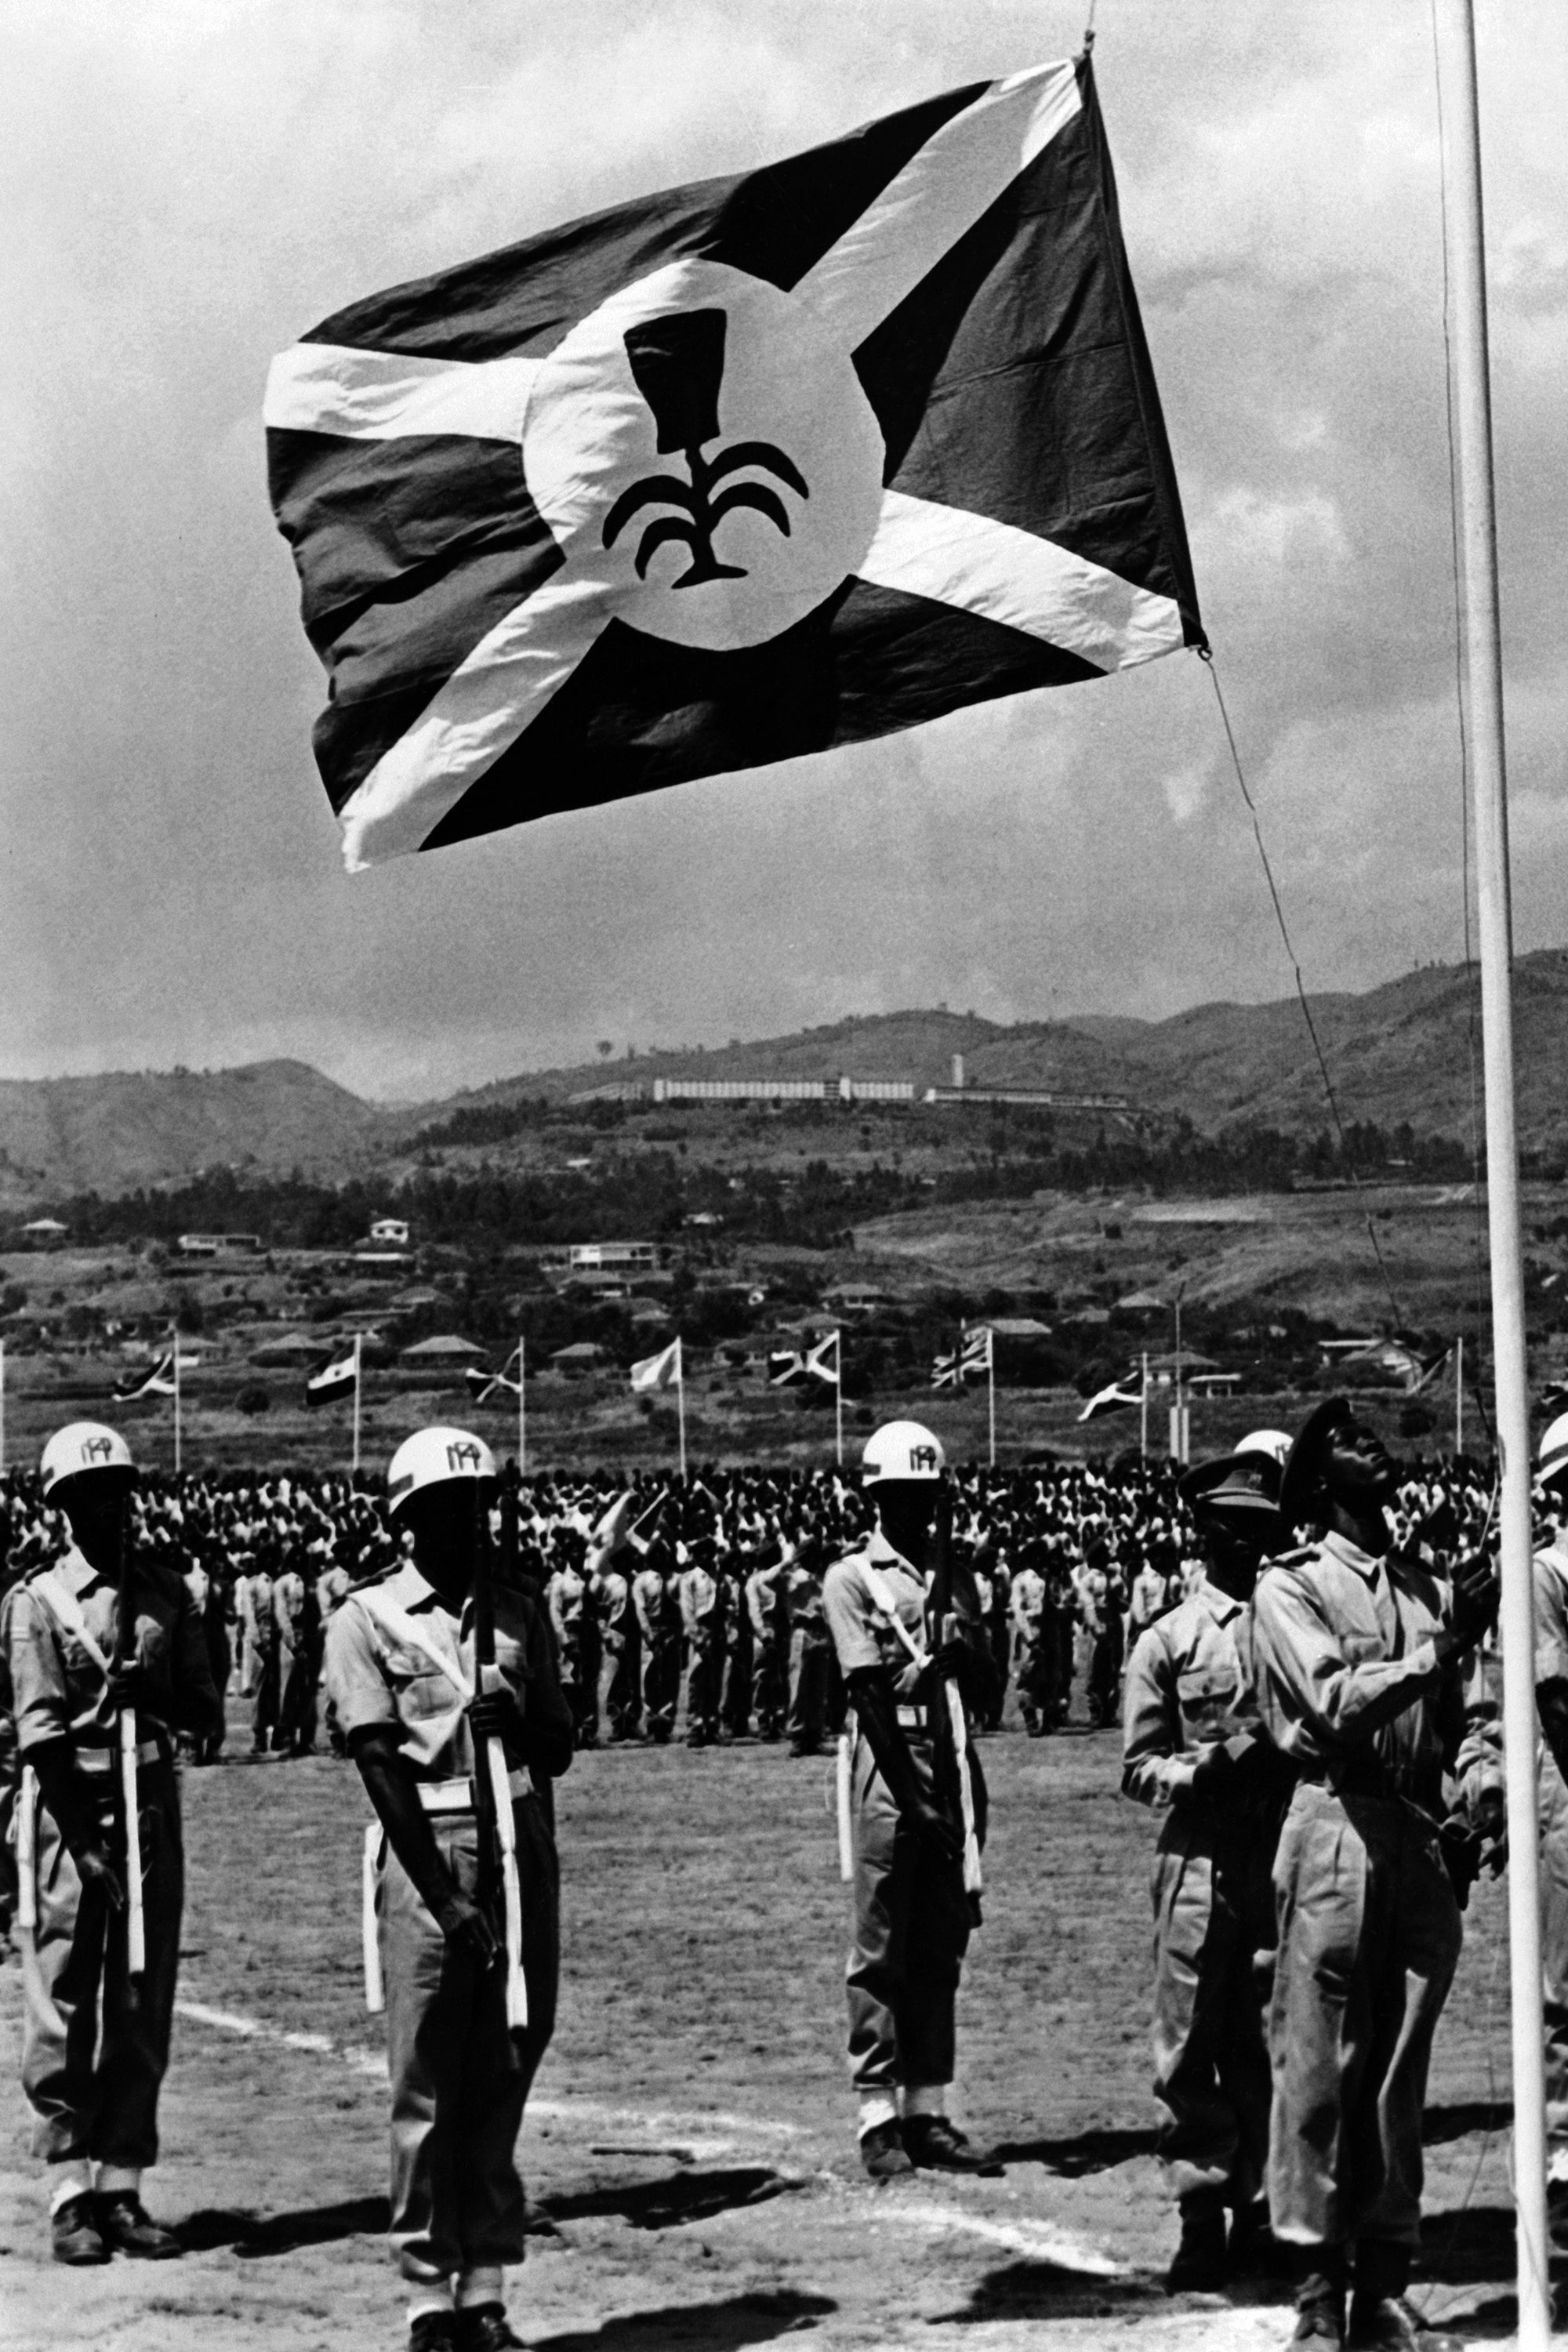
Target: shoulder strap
60,1606
887,1606
385,1613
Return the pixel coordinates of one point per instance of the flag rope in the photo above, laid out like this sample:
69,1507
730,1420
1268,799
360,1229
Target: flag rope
1206,654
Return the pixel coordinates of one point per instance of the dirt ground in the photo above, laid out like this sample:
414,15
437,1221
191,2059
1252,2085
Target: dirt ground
688,2151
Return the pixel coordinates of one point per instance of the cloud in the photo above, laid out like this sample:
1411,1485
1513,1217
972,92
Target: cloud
190,182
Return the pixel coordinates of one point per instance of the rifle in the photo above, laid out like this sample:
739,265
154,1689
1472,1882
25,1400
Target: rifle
124,1649
943,1627
493,1793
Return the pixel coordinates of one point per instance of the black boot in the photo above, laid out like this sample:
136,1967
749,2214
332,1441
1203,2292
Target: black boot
1320,2297
1199,2264
1382,2319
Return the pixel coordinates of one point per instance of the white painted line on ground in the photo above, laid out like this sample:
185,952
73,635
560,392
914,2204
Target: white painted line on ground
1040,2245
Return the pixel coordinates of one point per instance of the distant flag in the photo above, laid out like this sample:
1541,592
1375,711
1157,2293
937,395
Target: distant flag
335,1381
660,1371
483,1386
946,1372
816,1366
1424,1370
1117,1398
785,1366
747,469
158,1380
978,1351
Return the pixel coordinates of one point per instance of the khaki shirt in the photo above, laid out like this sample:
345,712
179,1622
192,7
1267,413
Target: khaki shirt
377,1677
1351,1664
56,1685
863,1635
1189,1688
1551,1567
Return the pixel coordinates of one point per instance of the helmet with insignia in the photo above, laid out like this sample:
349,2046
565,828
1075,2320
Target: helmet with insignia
436,1457
901,1451
1552,1455
83,1447
1298,1487
1274,1443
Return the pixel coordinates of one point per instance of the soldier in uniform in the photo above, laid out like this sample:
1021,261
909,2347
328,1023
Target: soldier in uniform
258,1667
702,1623
912,1913
1194,1747
1550,1574
567,1600
814,1650
1357,1661
293,1608
406,1685
616,1614
1027,1608
99,1632
735,1706
767,1610
656,1598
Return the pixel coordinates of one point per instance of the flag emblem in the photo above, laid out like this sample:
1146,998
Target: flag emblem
739,471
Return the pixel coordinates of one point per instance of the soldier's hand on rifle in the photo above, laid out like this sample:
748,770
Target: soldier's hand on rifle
95,1869
1476,1596
1212,1771
467,1928
494,1715
930,1821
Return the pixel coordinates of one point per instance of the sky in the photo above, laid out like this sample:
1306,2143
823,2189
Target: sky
189,185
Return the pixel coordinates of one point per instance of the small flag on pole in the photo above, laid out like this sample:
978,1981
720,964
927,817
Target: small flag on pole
1116,1398
157,1380
977,1352
816,1366
946,1372
660,1371
508,1382
336,1380
748,470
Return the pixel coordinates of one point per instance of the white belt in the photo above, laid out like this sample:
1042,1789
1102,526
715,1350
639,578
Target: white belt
458,1796
912,1718
107,1759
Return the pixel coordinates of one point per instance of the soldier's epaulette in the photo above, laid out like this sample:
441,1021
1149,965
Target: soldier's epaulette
1298,1558
377,1576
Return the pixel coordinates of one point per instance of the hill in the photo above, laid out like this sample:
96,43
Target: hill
110,1133
1400,1053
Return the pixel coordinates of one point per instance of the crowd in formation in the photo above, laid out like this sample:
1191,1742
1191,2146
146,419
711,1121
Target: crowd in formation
1294,1638
708,1625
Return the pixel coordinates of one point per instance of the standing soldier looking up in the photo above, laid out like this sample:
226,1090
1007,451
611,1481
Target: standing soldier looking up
95,1634
1358,1655
906,1835
1550,1574
1194,1747
404,1676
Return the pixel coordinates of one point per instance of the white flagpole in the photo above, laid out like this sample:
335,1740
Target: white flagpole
680,1401
839,1392
177,1399
521,1413
991,1388
1488,785
1459,1394
359,1338
2,1408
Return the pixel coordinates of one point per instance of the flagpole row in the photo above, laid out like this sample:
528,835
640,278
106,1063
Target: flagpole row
680,1401
1476,535
176,1354
521,1409
837,1392
359,1341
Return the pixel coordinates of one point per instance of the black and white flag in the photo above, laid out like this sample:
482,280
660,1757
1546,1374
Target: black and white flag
335,1381
508,1382
1116,1398
158,1380
747,469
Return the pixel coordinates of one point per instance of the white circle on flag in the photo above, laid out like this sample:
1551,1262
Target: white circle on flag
766,492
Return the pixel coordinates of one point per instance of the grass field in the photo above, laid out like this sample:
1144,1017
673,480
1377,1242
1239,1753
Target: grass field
688,2149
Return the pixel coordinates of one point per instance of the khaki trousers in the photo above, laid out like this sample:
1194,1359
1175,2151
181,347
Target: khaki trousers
92,2066
1554,1943
1369,1940
1214,1968
459,2080
911,1930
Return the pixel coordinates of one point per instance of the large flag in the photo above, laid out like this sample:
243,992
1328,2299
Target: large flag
816,1366
336,1380
746,469
978,1354
660,1371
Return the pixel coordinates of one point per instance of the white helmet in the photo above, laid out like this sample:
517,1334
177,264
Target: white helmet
1272,1442
83,1445
432,1457
1551,1454
901,1450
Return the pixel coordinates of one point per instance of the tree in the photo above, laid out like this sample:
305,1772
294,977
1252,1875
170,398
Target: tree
604,1048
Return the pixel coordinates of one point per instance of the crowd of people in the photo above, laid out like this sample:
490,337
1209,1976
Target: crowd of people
708,1626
